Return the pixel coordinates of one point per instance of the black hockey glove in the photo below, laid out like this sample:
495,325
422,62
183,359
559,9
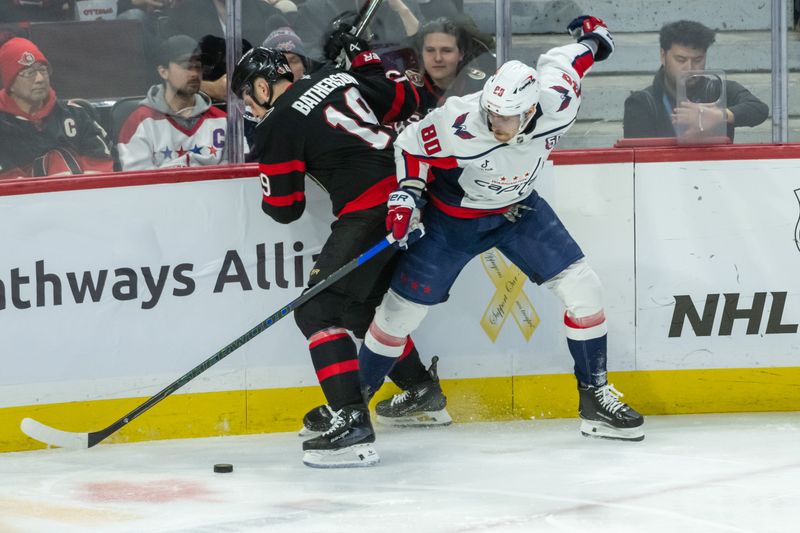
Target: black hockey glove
588,27
343,39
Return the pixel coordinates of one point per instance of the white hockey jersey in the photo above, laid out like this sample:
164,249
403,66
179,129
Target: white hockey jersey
468,172
154,137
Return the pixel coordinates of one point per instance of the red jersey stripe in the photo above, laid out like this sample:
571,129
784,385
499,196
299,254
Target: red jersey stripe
274,169
464,212
375,195
283,201
583,62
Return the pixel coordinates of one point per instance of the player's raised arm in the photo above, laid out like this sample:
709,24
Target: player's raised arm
594,44
392,100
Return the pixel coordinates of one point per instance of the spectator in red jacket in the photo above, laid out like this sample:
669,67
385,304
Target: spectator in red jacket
39,135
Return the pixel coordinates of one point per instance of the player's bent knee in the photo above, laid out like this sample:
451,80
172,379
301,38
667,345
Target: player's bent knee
309,319
580,290
394,320
398,316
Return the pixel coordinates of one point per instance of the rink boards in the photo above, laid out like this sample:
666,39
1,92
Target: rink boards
113,287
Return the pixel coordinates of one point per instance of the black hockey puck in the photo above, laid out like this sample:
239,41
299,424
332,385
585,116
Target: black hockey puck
223,468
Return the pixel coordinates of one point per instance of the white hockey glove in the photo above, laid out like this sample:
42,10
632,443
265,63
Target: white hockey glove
404,217
588,27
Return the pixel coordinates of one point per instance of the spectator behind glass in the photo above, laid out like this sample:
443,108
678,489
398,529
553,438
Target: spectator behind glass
286,40
204,20
175,125
36,10
653,112
39,135
284,6
452,64
213,59
145,10
394,22
198,18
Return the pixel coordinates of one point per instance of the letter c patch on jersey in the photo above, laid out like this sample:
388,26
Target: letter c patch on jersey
69,127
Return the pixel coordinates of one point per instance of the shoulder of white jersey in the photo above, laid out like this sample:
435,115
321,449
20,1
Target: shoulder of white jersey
560,95
457,125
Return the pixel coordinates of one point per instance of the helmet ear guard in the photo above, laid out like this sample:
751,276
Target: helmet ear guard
512,90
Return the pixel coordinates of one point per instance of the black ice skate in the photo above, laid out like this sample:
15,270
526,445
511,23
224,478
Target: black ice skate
603,415
348,442
316,421
423,405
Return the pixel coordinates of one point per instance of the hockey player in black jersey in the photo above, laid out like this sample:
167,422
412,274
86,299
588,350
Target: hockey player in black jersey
329,125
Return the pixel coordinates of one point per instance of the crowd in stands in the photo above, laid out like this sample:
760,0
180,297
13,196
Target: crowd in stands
181,119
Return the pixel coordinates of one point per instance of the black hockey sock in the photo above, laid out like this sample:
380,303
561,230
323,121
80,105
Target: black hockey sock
335,359
409,370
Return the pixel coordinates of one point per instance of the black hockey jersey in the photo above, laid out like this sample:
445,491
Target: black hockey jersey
329,125
28,142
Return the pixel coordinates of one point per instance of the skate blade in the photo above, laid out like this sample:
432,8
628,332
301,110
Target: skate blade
602,430
355,456
421,419
308,433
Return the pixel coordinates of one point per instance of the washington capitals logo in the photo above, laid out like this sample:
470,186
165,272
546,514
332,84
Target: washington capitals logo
565,97
461,131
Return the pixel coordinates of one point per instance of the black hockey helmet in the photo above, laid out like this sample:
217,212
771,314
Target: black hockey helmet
260,62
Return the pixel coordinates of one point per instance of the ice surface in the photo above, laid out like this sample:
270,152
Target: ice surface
703,473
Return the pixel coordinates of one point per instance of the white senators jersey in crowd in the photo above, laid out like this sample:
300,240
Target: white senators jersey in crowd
468,172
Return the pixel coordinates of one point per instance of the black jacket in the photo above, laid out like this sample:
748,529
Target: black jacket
647,116
26,145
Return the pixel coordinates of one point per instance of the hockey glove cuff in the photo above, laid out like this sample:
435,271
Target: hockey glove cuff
404,217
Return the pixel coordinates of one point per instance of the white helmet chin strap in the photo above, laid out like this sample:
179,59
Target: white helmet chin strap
525,120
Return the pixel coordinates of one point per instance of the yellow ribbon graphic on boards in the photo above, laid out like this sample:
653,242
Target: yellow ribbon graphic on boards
508,298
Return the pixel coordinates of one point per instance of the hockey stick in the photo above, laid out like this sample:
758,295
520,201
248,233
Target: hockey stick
367,16
69,439
363,18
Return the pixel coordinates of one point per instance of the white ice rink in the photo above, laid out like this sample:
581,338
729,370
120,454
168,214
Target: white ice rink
703,473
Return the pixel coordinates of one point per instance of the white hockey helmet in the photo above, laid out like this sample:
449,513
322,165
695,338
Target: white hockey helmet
512,91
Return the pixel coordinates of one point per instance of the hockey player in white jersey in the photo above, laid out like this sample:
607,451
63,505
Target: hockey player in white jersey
477,158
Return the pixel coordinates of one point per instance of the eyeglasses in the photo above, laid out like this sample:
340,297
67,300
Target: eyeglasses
31,72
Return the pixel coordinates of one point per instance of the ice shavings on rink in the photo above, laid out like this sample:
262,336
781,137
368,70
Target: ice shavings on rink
703,473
